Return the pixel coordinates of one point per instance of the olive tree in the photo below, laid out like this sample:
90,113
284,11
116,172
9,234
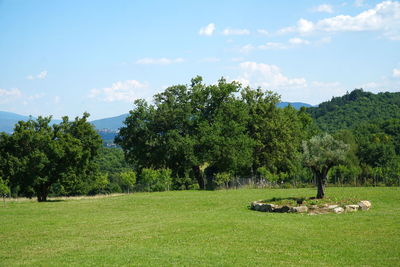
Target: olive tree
320,154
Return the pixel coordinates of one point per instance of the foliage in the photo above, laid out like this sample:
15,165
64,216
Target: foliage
37,156
357,107
155,180
128,179
224,126
223,178
321,153
4,189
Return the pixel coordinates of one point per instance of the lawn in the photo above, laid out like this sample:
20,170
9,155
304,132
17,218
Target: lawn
194,228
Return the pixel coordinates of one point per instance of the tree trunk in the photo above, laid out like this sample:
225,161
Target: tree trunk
321,180
199,177
42,193
320,188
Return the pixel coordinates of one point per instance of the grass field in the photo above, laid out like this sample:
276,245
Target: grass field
193,228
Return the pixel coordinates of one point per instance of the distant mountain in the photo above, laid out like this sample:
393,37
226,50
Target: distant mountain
113,123
296,105
9,119
354,108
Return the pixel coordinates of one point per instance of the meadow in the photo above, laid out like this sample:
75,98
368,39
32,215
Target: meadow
199,228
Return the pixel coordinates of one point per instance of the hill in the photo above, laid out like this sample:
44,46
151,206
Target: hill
113,123
296,105
355,108
9,119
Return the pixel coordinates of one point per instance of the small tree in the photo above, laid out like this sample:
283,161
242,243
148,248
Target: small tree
128,179
320,154
4,190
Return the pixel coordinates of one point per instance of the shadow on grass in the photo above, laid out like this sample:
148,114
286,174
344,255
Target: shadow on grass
53,200
299,200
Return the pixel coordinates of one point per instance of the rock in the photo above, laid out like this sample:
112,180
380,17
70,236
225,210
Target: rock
331,207
337,209
281,209
256,205
352,208
265,207
299,209
364,204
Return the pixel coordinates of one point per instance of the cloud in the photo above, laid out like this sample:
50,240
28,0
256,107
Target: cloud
298,41
272,45
159,61
384,17
229,31
7,95
271,77
211,59
207,30
396,73
267,76
262,31
246,48
126,91
359,3
323,8
40,76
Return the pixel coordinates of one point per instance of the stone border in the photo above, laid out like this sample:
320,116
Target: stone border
313,209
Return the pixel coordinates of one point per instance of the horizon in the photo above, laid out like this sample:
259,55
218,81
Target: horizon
65,58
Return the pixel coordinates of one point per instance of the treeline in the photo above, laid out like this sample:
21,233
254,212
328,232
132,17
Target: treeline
201,136
355,108
209,135
370,124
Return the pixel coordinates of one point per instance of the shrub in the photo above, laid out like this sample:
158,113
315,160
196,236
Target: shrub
155,180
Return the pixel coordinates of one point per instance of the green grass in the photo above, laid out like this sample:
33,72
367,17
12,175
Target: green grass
193,228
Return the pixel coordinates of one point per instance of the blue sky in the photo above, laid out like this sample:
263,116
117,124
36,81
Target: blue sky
66,57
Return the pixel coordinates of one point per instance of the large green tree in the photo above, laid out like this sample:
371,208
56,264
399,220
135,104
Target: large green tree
219,128
38,155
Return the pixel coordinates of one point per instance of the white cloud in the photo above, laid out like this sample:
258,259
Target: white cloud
266,76
270,77
262,31
359,3
211,59
323,8
15,92
396,73
246,48
207,30
229,31
298,41
36,96
120,91
159,61
272,45
384,17
40,76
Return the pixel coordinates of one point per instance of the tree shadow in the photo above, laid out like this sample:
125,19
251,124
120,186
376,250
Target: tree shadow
299,200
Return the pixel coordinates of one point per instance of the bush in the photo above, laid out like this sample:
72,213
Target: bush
155,180
223,179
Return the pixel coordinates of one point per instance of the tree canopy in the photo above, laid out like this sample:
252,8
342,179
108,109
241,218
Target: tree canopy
200,130
37,156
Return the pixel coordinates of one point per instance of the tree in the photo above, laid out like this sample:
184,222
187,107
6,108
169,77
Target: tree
4,190
320,154
128,179
37,156
187,127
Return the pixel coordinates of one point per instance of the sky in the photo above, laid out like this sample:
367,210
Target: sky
63,58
